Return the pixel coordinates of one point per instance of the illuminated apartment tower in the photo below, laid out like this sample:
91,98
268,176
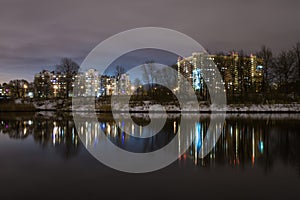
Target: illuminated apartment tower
198,70
240,73
124,85
108,85
185,69
92,83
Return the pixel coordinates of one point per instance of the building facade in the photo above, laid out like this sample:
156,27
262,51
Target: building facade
239,73
90,83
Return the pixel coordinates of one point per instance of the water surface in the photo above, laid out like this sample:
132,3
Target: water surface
257,156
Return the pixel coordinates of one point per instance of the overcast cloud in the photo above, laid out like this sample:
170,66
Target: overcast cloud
35,34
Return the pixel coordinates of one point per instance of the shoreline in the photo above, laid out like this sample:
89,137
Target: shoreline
66,106
158,112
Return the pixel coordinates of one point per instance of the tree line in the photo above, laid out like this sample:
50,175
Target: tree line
281,78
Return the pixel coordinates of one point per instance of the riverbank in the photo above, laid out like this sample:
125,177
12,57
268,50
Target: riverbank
144,107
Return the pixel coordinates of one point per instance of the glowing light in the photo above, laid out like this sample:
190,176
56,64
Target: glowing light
259,67
261,146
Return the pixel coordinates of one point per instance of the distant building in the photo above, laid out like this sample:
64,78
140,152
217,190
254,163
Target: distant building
108,85
124,85
199,71
44,87
1,90
17,88
239,73
49,84
91,83
4,90
111,85
58,84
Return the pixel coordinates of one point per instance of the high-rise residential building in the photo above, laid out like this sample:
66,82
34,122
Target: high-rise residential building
112,86
4,90
58,84
239,73
108,85
198,70
48,84
92,83
124,85
43,84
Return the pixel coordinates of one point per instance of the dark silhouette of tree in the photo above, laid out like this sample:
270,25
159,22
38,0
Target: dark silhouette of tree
284,66
69,68
267,56
138,86
149,74
119,70
17,88
297,55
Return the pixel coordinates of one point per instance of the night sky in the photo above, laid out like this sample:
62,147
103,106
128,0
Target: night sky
35,34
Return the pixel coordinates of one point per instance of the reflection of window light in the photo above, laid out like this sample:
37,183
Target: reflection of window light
261,146
123,138
198,141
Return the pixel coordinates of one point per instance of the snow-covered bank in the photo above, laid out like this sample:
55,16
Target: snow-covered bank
139,107
234,108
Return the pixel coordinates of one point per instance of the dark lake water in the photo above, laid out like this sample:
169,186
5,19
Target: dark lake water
256,157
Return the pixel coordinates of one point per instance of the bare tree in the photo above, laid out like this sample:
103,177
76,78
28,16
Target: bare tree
297,55
69,68
149,74
137,82
284,66
138,86
167,76
119,70
17,88
267,56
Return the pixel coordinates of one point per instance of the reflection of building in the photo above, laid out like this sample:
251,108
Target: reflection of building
239,142
235,145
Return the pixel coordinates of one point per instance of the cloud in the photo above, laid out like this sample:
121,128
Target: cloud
34,33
